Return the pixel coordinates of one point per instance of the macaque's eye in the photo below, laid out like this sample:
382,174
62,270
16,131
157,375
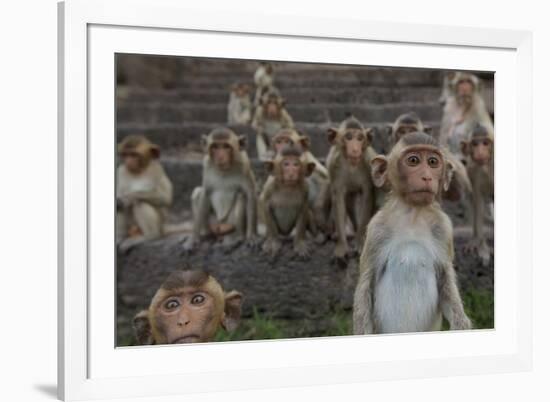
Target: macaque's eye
348,136
197,299
361,137
413,160
215,146
486,143
171,304
226,146
433,162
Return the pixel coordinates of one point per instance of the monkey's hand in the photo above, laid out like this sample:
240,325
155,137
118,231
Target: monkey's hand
341,251
480,248
126,201
460,322
189,244
253,241
271,246
302,250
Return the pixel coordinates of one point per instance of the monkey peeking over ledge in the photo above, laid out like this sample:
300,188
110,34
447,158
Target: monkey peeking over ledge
189,307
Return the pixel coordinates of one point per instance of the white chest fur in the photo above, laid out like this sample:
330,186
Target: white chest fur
406,295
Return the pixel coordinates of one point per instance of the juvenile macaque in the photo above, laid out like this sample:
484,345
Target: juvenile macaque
270,118
264,78
318,181
225,204
143,192
351,189
478,151
462,111
239,108
447,87
284,200
407,281
460,184
189,307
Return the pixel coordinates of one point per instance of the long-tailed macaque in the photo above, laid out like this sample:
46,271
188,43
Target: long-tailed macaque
189,307
270,118
284,200
460,184
478,150
225,204
462,111
351,189
407,280
239,108
264,78
318,181
143,192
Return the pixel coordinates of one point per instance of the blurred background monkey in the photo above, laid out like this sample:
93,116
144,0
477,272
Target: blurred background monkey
143,192
264,78
270,118
225,204
407,280
239,108
463,110
189,307
284,200
478,151
351,189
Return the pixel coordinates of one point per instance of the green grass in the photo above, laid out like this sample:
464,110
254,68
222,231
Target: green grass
478,304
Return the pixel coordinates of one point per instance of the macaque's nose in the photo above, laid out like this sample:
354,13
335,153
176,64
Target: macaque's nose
183,320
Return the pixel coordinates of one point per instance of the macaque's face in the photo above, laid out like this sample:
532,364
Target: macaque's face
291,170
422,171
405,129
272,109
354,145
241,91
132,161
280,141
221,154
187,316
481,150
465,93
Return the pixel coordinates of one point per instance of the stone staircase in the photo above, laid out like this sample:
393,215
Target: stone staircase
191,99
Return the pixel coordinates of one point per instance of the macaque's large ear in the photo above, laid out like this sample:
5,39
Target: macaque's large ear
428,130
204,142
142,328
242,142
310,168
379,168
369,132
232,312
331,135
155,151
465,147
269,166
305,142
449,171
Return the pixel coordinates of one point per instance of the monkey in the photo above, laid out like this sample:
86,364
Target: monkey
264,78
239,108
143,192
407,281
225,204
317,182
447,87
189,307
460,183
270,117
463,109
284,200
478,150
351,187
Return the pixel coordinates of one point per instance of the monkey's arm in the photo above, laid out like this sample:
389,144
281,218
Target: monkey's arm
202,212
449,299
363,322
299,244
286,120
265,197
249,190
338,197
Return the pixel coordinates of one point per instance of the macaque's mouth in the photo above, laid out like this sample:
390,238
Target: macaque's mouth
423,191
187,339
354,160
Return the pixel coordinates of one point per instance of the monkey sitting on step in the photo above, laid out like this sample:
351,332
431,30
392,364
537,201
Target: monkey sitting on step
407,281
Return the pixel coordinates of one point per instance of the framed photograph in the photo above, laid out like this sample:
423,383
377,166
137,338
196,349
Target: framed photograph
269,201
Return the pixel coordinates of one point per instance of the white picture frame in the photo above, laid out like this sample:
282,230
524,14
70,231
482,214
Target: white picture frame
90,366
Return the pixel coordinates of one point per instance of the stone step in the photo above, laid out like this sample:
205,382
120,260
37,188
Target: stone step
176,138
315,113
